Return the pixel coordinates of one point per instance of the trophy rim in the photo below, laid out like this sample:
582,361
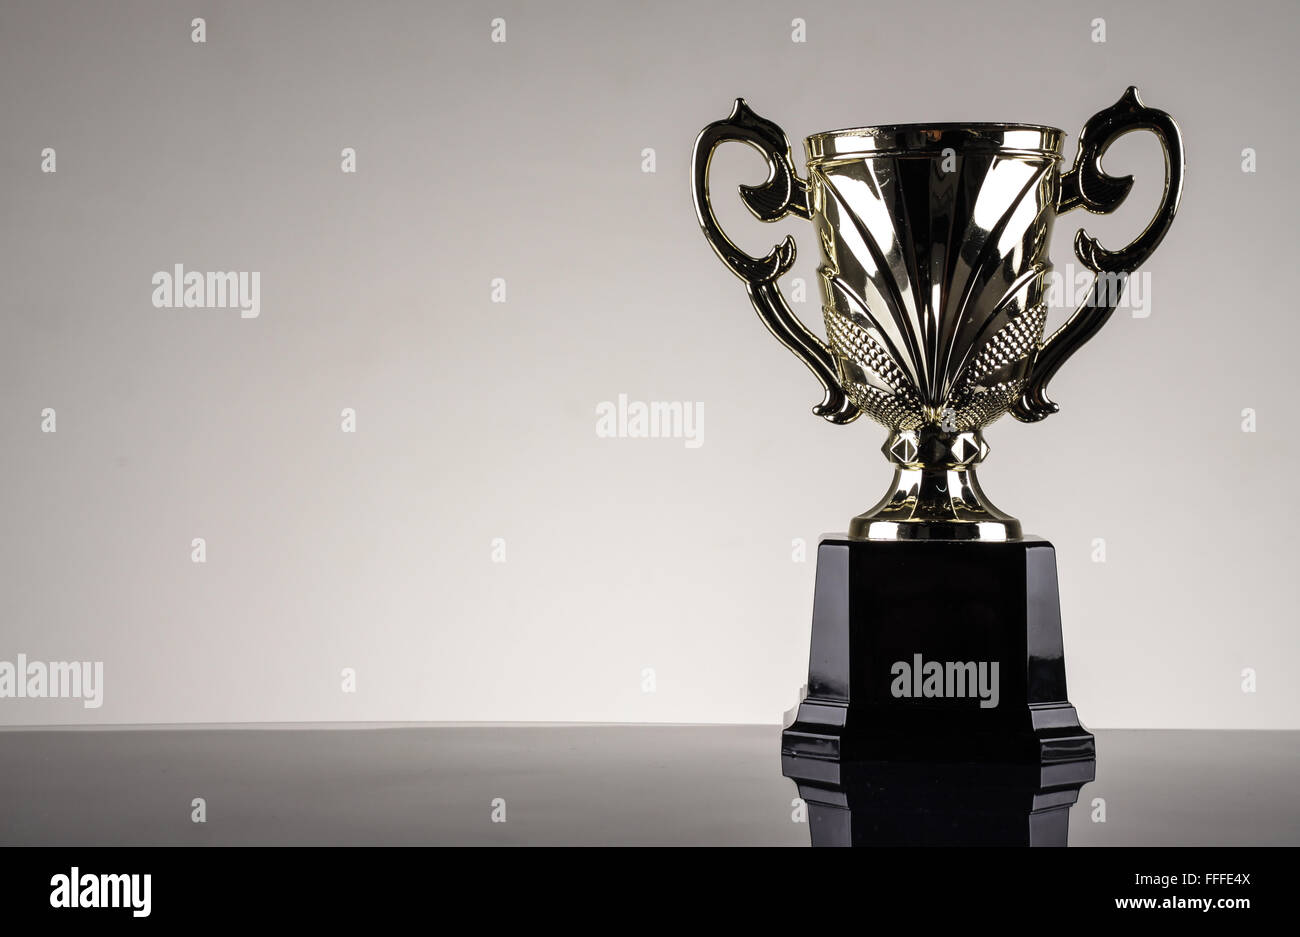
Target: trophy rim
922,138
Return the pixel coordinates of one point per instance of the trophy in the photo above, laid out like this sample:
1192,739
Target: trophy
936,628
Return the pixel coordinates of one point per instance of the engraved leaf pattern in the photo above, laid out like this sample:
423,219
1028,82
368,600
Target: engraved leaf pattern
932,280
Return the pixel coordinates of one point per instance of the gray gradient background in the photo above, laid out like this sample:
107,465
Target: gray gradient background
476,420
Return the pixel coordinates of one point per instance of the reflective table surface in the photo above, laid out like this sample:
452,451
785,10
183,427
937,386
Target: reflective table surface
594,785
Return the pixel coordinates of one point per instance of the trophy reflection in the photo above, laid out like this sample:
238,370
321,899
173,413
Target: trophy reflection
934,253
929,804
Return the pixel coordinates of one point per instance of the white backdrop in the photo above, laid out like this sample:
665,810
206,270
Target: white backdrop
474,550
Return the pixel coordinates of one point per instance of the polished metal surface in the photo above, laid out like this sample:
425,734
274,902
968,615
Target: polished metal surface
590,785
934,241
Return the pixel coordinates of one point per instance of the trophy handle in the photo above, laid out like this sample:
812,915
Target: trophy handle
1086,184
784,193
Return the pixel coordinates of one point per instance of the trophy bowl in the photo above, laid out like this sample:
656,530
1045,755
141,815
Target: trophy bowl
934,247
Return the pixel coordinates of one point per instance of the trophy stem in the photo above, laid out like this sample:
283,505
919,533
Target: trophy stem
935,494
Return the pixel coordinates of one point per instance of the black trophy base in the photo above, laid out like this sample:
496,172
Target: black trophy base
936,651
